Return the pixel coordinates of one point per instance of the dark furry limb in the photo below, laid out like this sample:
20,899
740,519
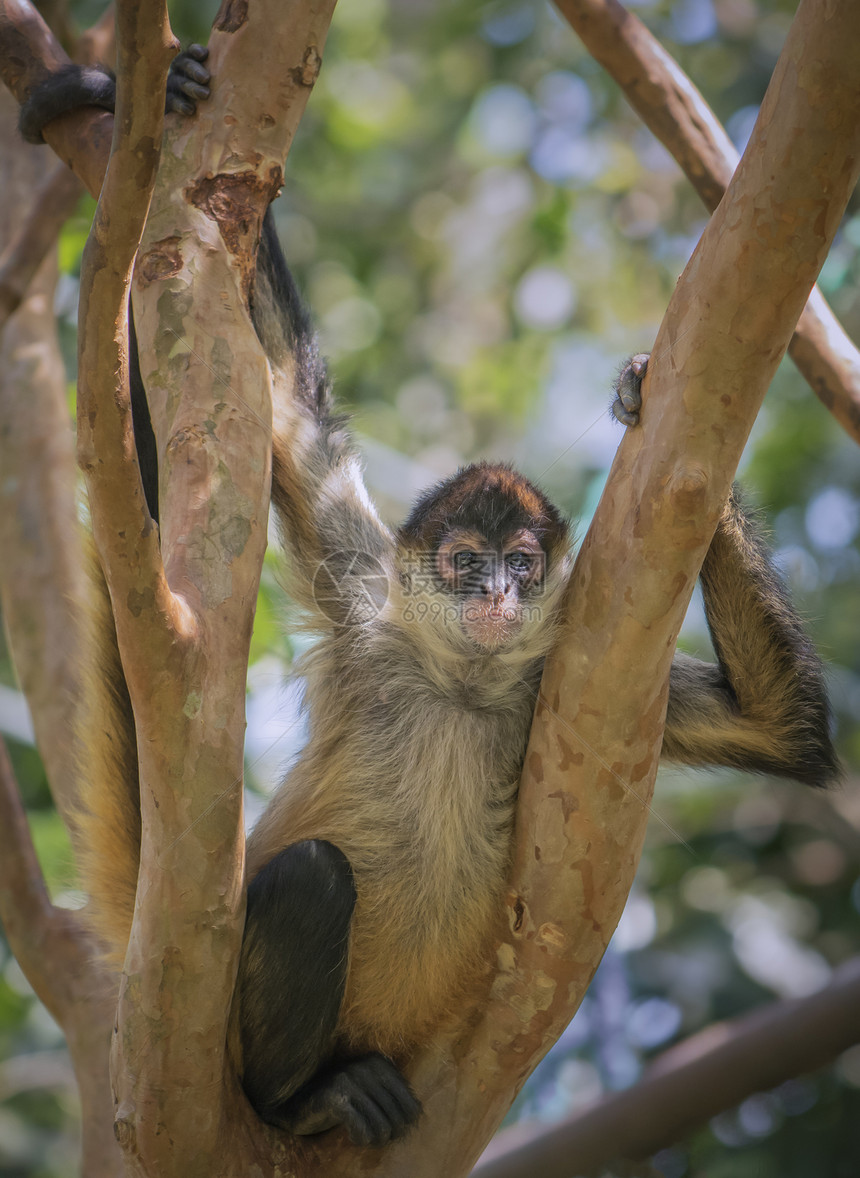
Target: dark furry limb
764,707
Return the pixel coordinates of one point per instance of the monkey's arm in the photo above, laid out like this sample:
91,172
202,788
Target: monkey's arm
764,707
340,553
341,556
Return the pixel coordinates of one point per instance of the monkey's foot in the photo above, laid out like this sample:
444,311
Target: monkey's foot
368,1096
628,390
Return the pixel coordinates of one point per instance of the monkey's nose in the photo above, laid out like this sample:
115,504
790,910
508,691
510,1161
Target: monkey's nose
497,598
495,585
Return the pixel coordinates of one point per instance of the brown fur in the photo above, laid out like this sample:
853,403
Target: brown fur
107,823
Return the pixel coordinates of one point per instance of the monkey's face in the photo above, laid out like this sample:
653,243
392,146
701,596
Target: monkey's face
493,581
483,556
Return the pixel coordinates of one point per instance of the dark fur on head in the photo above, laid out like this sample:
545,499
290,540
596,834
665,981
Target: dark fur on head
490,498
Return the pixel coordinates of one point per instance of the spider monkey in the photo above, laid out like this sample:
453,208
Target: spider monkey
377,869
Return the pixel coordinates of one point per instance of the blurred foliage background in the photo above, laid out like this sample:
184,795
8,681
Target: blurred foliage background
484,232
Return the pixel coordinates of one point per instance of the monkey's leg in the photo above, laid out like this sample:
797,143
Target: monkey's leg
292,979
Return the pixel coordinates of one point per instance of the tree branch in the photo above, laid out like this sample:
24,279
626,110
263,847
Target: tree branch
592,757
28,916
52,204
674,110
43,588
41,575
55,955
718,347
209,389
58,193
688,1084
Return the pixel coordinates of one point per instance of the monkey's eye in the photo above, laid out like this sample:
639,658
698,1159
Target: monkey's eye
464,561
520,562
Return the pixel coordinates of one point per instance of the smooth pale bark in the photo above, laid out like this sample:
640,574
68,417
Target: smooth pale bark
168,1055
184,625
674,110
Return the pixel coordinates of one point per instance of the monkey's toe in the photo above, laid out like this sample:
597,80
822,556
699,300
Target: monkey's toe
628,390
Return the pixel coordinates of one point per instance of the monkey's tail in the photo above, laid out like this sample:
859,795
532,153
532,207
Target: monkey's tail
108,816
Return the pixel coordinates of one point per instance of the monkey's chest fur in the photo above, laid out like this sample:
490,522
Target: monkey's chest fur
417,785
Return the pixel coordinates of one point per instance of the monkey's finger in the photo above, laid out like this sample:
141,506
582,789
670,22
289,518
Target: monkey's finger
629,384
183,106
623,415
395,1095
198,52
186,68
366,1123
378,1105
194,90
400,1106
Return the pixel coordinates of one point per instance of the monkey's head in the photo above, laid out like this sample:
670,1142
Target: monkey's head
482,553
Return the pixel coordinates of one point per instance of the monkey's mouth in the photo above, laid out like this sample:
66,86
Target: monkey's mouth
490,625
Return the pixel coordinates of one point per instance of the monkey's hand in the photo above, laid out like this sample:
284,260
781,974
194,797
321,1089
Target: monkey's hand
188,81
628,390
